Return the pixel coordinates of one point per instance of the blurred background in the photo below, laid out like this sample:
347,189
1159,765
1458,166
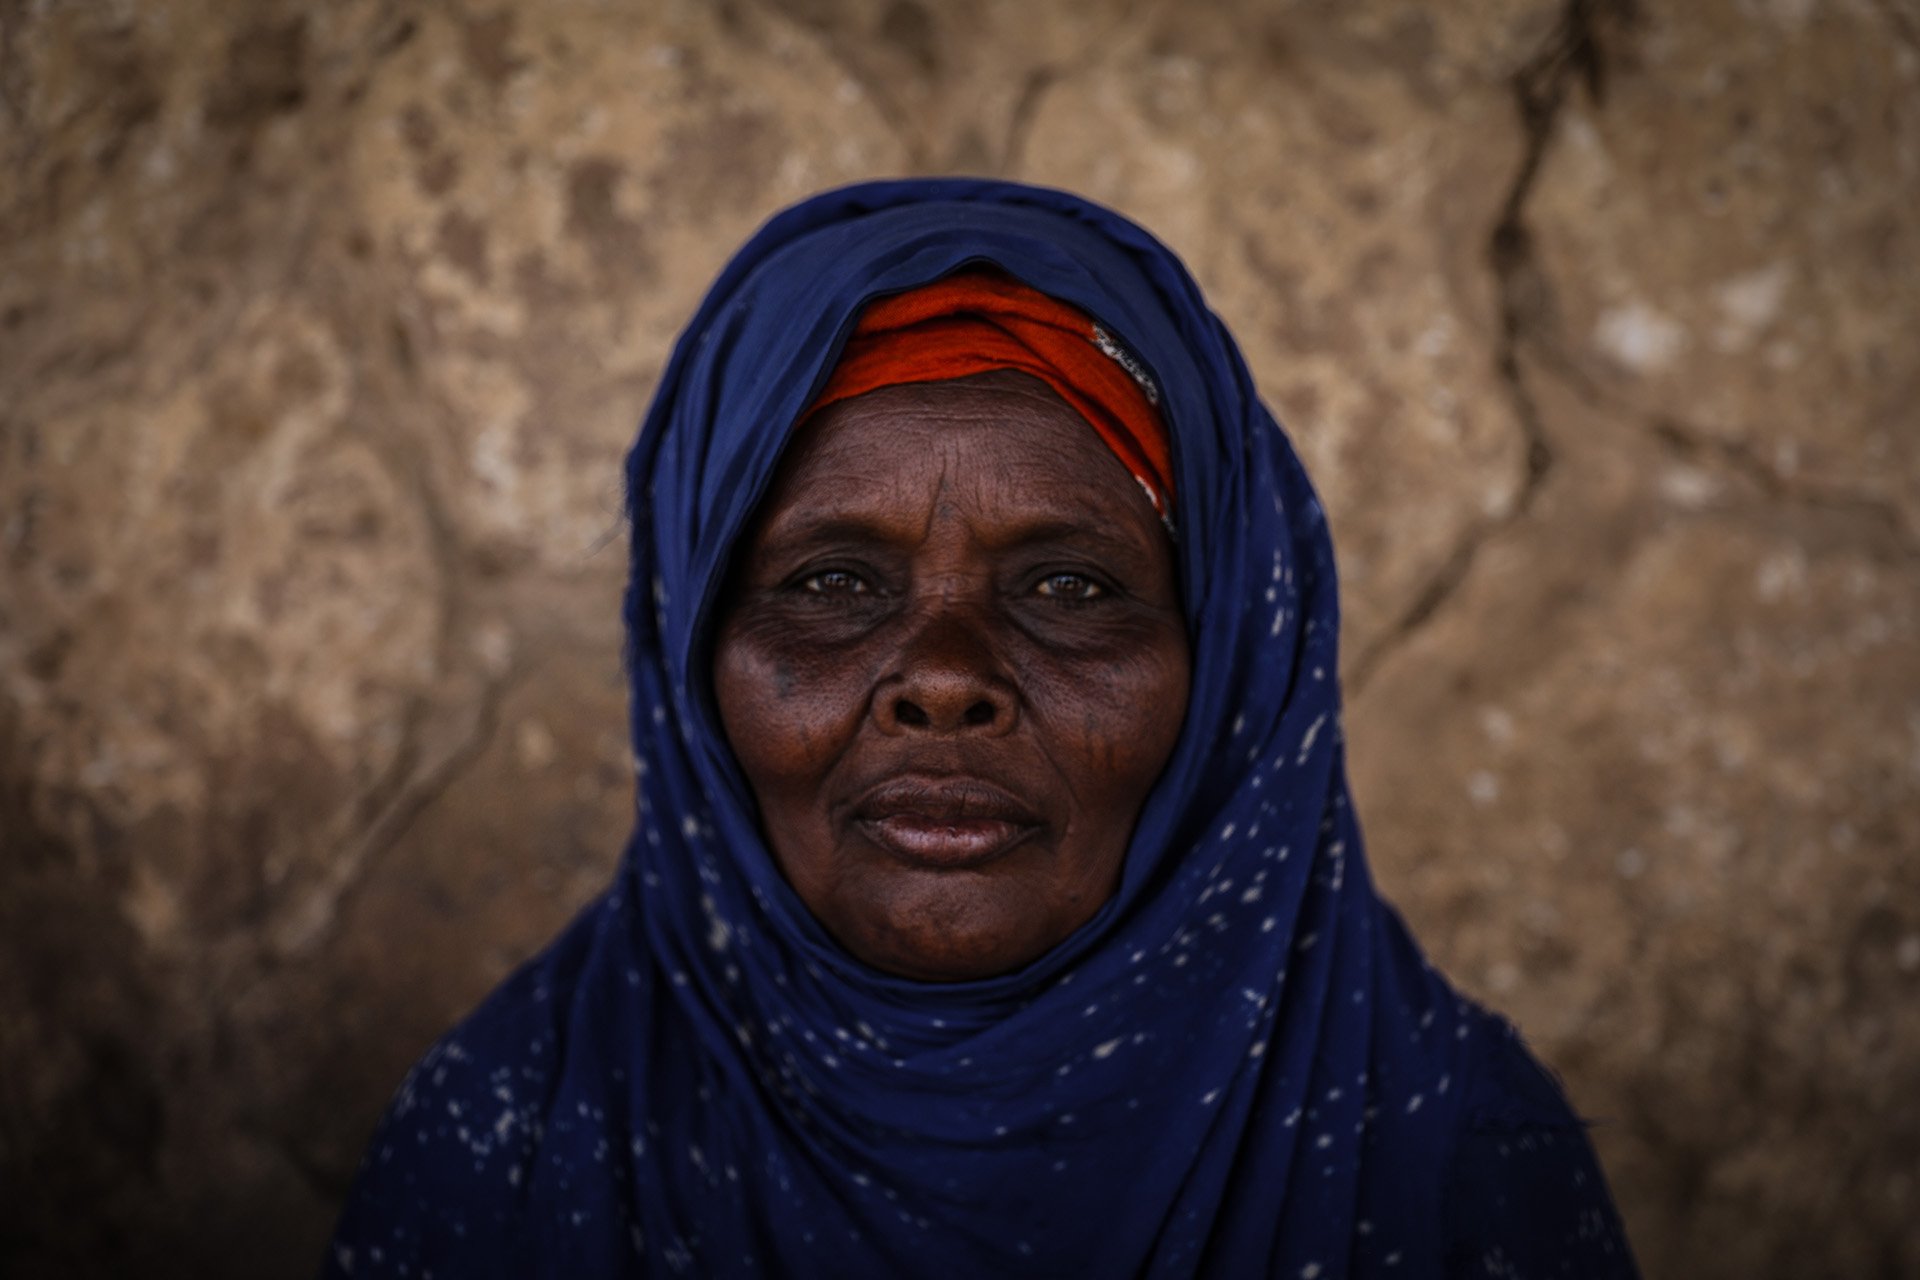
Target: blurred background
323,329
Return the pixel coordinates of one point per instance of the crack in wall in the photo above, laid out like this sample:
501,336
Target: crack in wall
313,917
1572,56
1044,78
1528,314
1906,26
924,151
380,815
16,89
1696,443
1026,109
1743,458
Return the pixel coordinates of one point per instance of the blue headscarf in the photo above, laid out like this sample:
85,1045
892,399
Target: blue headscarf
1240,1066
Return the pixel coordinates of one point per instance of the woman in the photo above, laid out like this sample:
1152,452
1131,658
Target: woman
995,905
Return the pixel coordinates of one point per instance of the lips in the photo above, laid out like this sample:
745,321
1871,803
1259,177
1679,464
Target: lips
948,822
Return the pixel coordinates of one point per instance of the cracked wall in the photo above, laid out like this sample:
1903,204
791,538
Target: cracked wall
322,331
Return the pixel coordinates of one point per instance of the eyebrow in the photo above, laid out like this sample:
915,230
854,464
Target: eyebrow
1077,533
832,528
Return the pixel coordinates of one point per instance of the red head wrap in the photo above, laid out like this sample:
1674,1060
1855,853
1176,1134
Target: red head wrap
975,323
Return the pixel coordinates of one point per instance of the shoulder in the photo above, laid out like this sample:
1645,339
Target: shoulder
1524,1192
444,1185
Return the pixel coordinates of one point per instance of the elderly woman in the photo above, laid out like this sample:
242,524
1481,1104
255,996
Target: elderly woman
995,905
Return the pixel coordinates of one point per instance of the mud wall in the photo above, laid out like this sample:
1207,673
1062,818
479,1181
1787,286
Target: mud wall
322,329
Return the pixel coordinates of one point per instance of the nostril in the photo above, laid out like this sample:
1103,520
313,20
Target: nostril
909,714
979,714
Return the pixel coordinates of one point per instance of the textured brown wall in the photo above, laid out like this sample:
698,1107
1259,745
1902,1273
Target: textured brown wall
322,329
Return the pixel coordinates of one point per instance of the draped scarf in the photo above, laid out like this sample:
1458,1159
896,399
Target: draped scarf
1241,1065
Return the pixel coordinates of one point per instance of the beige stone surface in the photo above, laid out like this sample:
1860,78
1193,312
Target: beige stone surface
1332,179
1669,735
322,329
1731,240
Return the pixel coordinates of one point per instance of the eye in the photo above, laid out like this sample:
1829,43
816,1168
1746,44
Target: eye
834,582
1070,588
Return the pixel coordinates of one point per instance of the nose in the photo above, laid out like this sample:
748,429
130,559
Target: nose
946,680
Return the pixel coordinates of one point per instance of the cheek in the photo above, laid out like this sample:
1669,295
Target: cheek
1116,721
786,715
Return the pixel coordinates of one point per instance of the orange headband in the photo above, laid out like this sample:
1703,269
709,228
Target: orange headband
975,323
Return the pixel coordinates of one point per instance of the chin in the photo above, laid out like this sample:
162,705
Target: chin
939,959
945,966
946,941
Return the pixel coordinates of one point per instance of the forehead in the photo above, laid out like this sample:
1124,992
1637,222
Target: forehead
1004,442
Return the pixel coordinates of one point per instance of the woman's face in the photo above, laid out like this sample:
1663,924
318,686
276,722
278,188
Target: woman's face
951,662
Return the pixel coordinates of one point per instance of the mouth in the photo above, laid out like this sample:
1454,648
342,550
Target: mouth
948,822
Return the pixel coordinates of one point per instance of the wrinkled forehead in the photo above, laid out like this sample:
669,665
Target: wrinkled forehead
1000,451
984,413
